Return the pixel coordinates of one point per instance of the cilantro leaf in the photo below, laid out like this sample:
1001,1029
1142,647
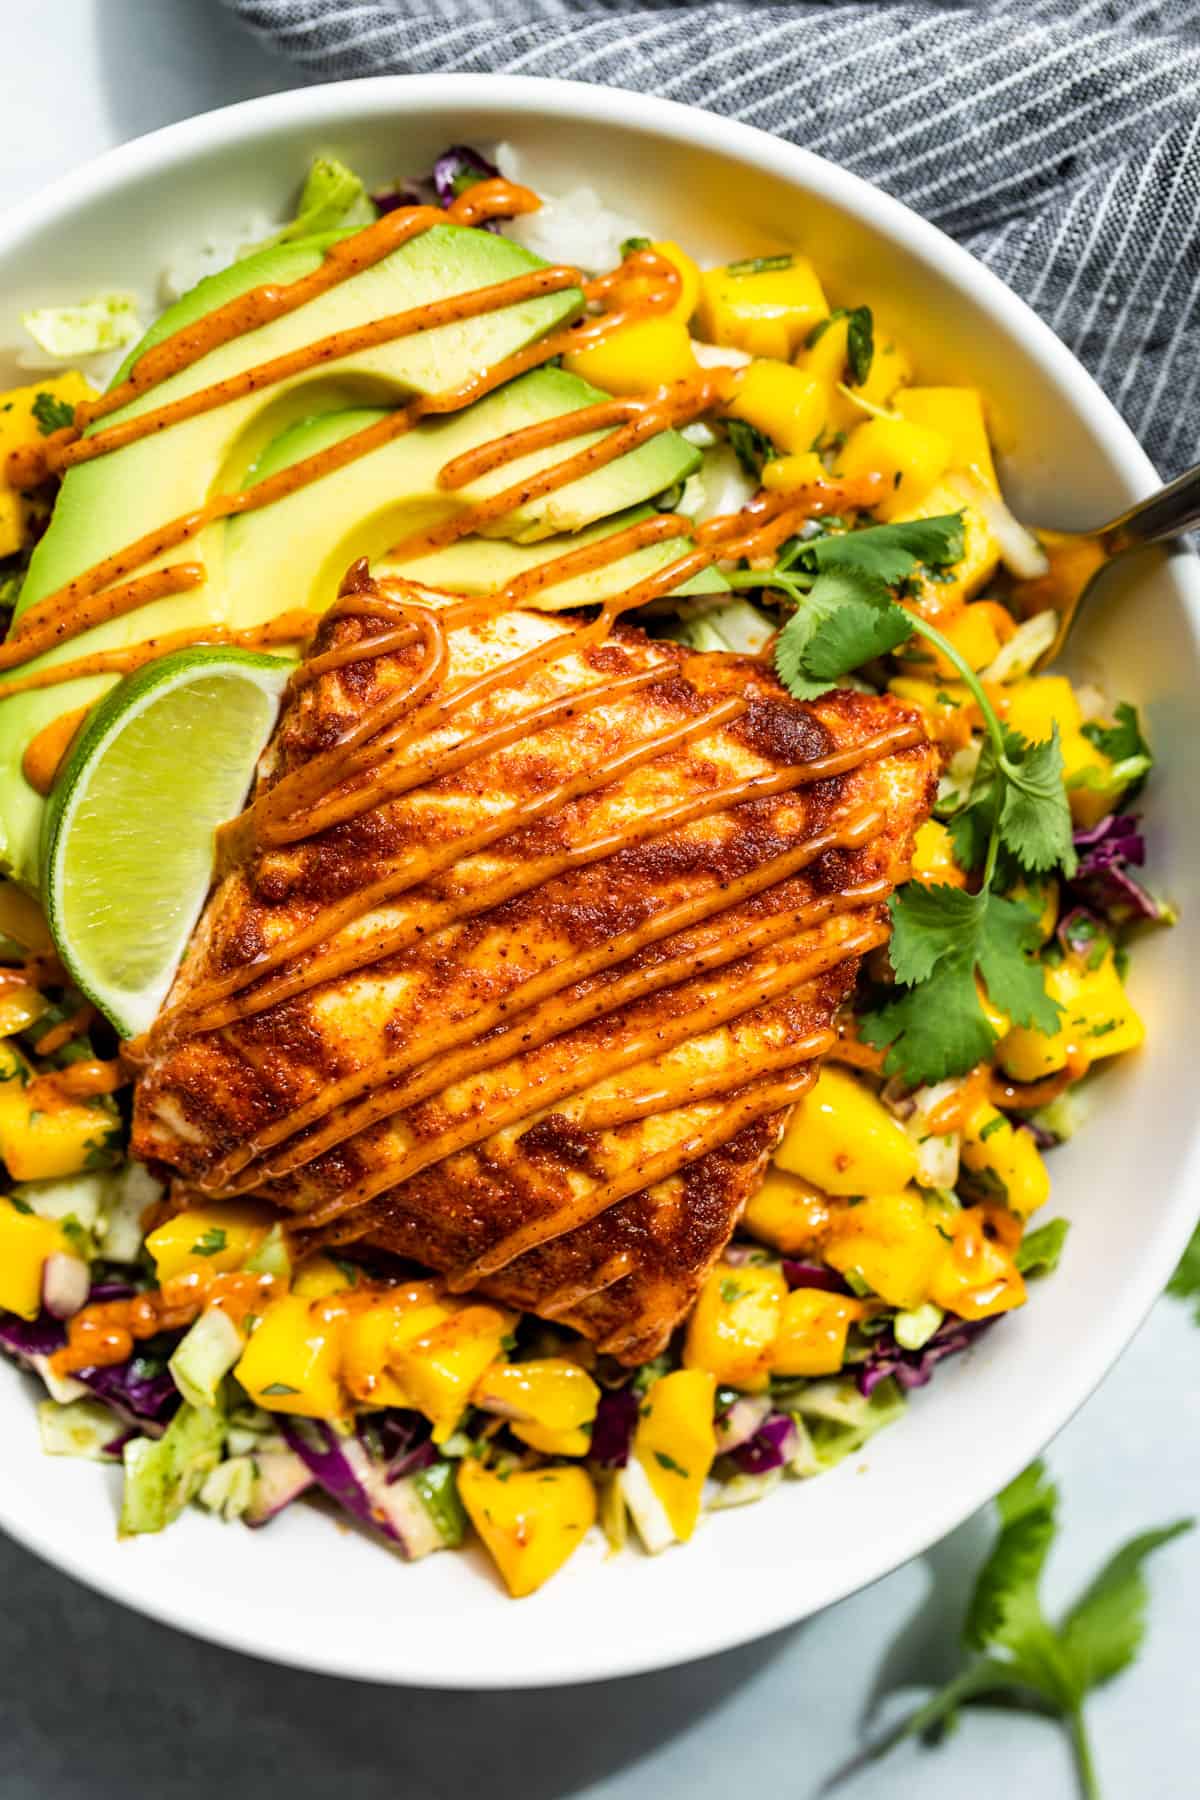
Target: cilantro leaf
1034,821
1035,815
943,939
1039,1251
891,552
1019,1654
751,446
210,1242
1185,1282
866,624
631,244
860,338
1103,1631
1123,739
51,413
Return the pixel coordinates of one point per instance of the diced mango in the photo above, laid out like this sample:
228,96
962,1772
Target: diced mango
42,1139
767,305
909,459
318,1276
993,1145
977,1277
787,1213
18,422
957,412
1097,1020
976,631
367,1334
787,474
890,366
19,1008
22,919
572,1440
14,520
933,860
26,1240
20,426
441,1367
209,1239
845,1141
1039,703
981,552
530,1520
290,1363
812,1332
676,1443
784,403
892,1242
734,1323
549,1391
646,353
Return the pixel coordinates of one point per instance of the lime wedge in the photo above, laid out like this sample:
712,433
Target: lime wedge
127,850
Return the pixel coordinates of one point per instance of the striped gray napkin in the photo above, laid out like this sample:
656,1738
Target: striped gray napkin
1058,139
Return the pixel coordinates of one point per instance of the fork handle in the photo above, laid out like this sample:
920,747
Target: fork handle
1167,514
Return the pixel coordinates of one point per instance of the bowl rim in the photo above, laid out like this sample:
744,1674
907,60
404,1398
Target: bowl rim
365,99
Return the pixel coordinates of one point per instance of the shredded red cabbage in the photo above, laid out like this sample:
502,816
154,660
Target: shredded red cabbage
1102,880
913,1368
459,168
140,1390
769,1447
399,1439
612,1433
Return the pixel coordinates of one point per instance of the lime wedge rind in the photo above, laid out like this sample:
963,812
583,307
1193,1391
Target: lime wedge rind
127,848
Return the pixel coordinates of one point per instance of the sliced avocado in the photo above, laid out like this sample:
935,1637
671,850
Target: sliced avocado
304,544
122,496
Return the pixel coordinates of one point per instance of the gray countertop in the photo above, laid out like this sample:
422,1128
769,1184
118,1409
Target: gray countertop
95,1701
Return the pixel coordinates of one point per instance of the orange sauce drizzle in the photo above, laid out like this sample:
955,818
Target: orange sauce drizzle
367,765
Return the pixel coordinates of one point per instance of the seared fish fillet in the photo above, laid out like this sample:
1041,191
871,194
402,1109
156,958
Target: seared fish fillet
532,1008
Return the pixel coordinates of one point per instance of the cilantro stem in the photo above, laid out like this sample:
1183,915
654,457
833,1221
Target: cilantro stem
1089,1787
793,583
991,724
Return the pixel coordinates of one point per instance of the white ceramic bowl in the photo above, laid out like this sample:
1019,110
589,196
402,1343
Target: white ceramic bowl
305,1592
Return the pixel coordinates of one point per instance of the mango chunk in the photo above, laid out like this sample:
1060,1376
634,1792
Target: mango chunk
43,1140
549,1391
531,1521
789,1214
891,1242
812,1332
977,1277
933,860
440,1368
909,459
647,353
676,1443
787,474
843,1140
981,552
957,412
291,1362
734,1323
209,1239
785,404
766,305
993,1145
1097,1020
26,1240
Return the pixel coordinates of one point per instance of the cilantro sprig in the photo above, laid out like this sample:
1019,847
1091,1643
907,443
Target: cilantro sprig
1018,1656
945,939
1185,1282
